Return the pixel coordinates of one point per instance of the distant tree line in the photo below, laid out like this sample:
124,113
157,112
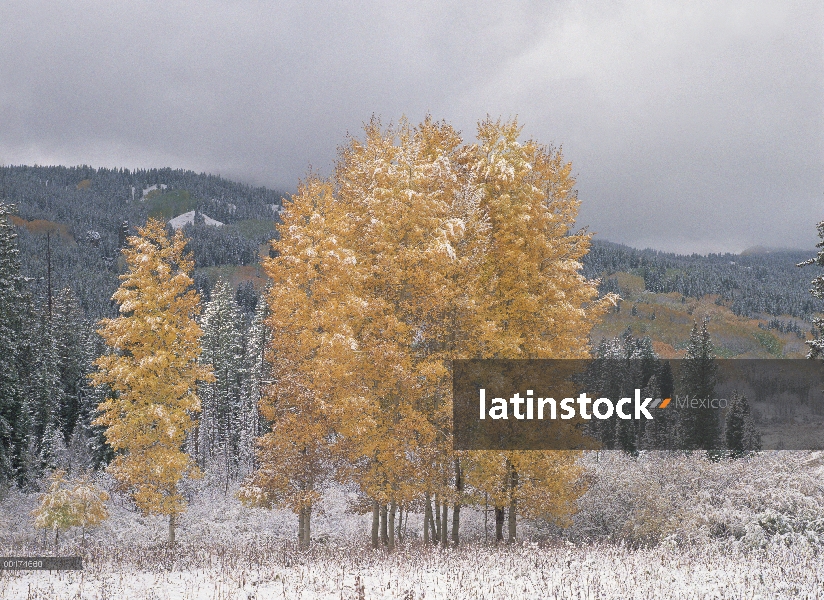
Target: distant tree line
623,364
764,283
72,222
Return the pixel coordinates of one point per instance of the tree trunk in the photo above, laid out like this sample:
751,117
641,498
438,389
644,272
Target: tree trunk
513,505
456,510
427,517
384,533
433,527
56,536
375,523
425,525
486,517
226,459
499,524
513,511
444,531
172,528
307,526
400,533
301,525
456,523
392,509
437,536
196,446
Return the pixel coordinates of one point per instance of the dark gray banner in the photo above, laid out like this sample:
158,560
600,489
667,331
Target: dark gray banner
735,406
41,563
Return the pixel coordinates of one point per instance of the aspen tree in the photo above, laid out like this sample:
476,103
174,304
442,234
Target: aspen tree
152,370
535,299
416,232
420,250
306,350
70,504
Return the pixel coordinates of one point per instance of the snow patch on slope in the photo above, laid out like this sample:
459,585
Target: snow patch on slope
189,218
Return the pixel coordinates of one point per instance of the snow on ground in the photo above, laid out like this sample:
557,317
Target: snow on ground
523,572
189,217
652,527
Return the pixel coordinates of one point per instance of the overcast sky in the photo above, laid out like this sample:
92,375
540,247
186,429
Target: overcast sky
691,126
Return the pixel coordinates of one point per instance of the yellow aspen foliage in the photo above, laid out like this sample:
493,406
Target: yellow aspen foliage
152,371
420,250
535,295
70,504
535,301
417,232
308,337
55,510
88,505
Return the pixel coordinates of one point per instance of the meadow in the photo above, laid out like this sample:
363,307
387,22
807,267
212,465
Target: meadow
658,526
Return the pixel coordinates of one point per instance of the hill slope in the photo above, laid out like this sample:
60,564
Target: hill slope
76,216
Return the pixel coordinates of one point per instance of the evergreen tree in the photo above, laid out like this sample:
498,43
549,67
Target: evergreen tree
654,435
92,396
817,291
70,330
620,366
13,418
258,375
221,418
699,427
605,378
741,436
44,398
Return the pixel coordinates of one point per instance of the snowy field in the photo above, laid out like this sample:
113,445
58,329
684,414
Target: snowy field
655,527
523,572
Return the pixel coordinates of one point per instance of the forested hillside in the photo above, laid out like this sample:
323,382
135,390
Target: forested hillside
84,210
62,233
73,221
754,283
758,303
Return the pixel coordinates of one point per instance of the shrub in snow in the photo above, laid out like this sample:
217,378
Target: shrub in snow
70,504
769,497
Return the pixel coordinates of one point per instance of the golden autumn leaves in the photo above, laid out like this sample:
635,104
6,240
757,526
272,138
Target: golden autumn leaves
420,249
152,371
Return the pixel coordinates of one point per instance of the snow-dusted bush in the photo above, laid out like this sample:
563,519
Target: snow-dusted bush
765,498
56,510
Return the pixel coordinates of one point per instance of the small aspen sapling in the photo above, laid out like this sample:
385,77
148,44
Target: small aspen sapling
55,509
70,504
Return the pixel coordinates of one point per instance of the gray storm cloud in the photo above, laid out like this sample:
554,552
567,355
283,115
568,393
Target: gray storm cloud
691,126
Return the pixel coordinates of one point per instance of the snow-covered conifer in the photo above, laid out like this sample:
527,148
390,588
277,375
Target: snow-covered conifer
258,373
740,433
12,433
221,420
699,427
